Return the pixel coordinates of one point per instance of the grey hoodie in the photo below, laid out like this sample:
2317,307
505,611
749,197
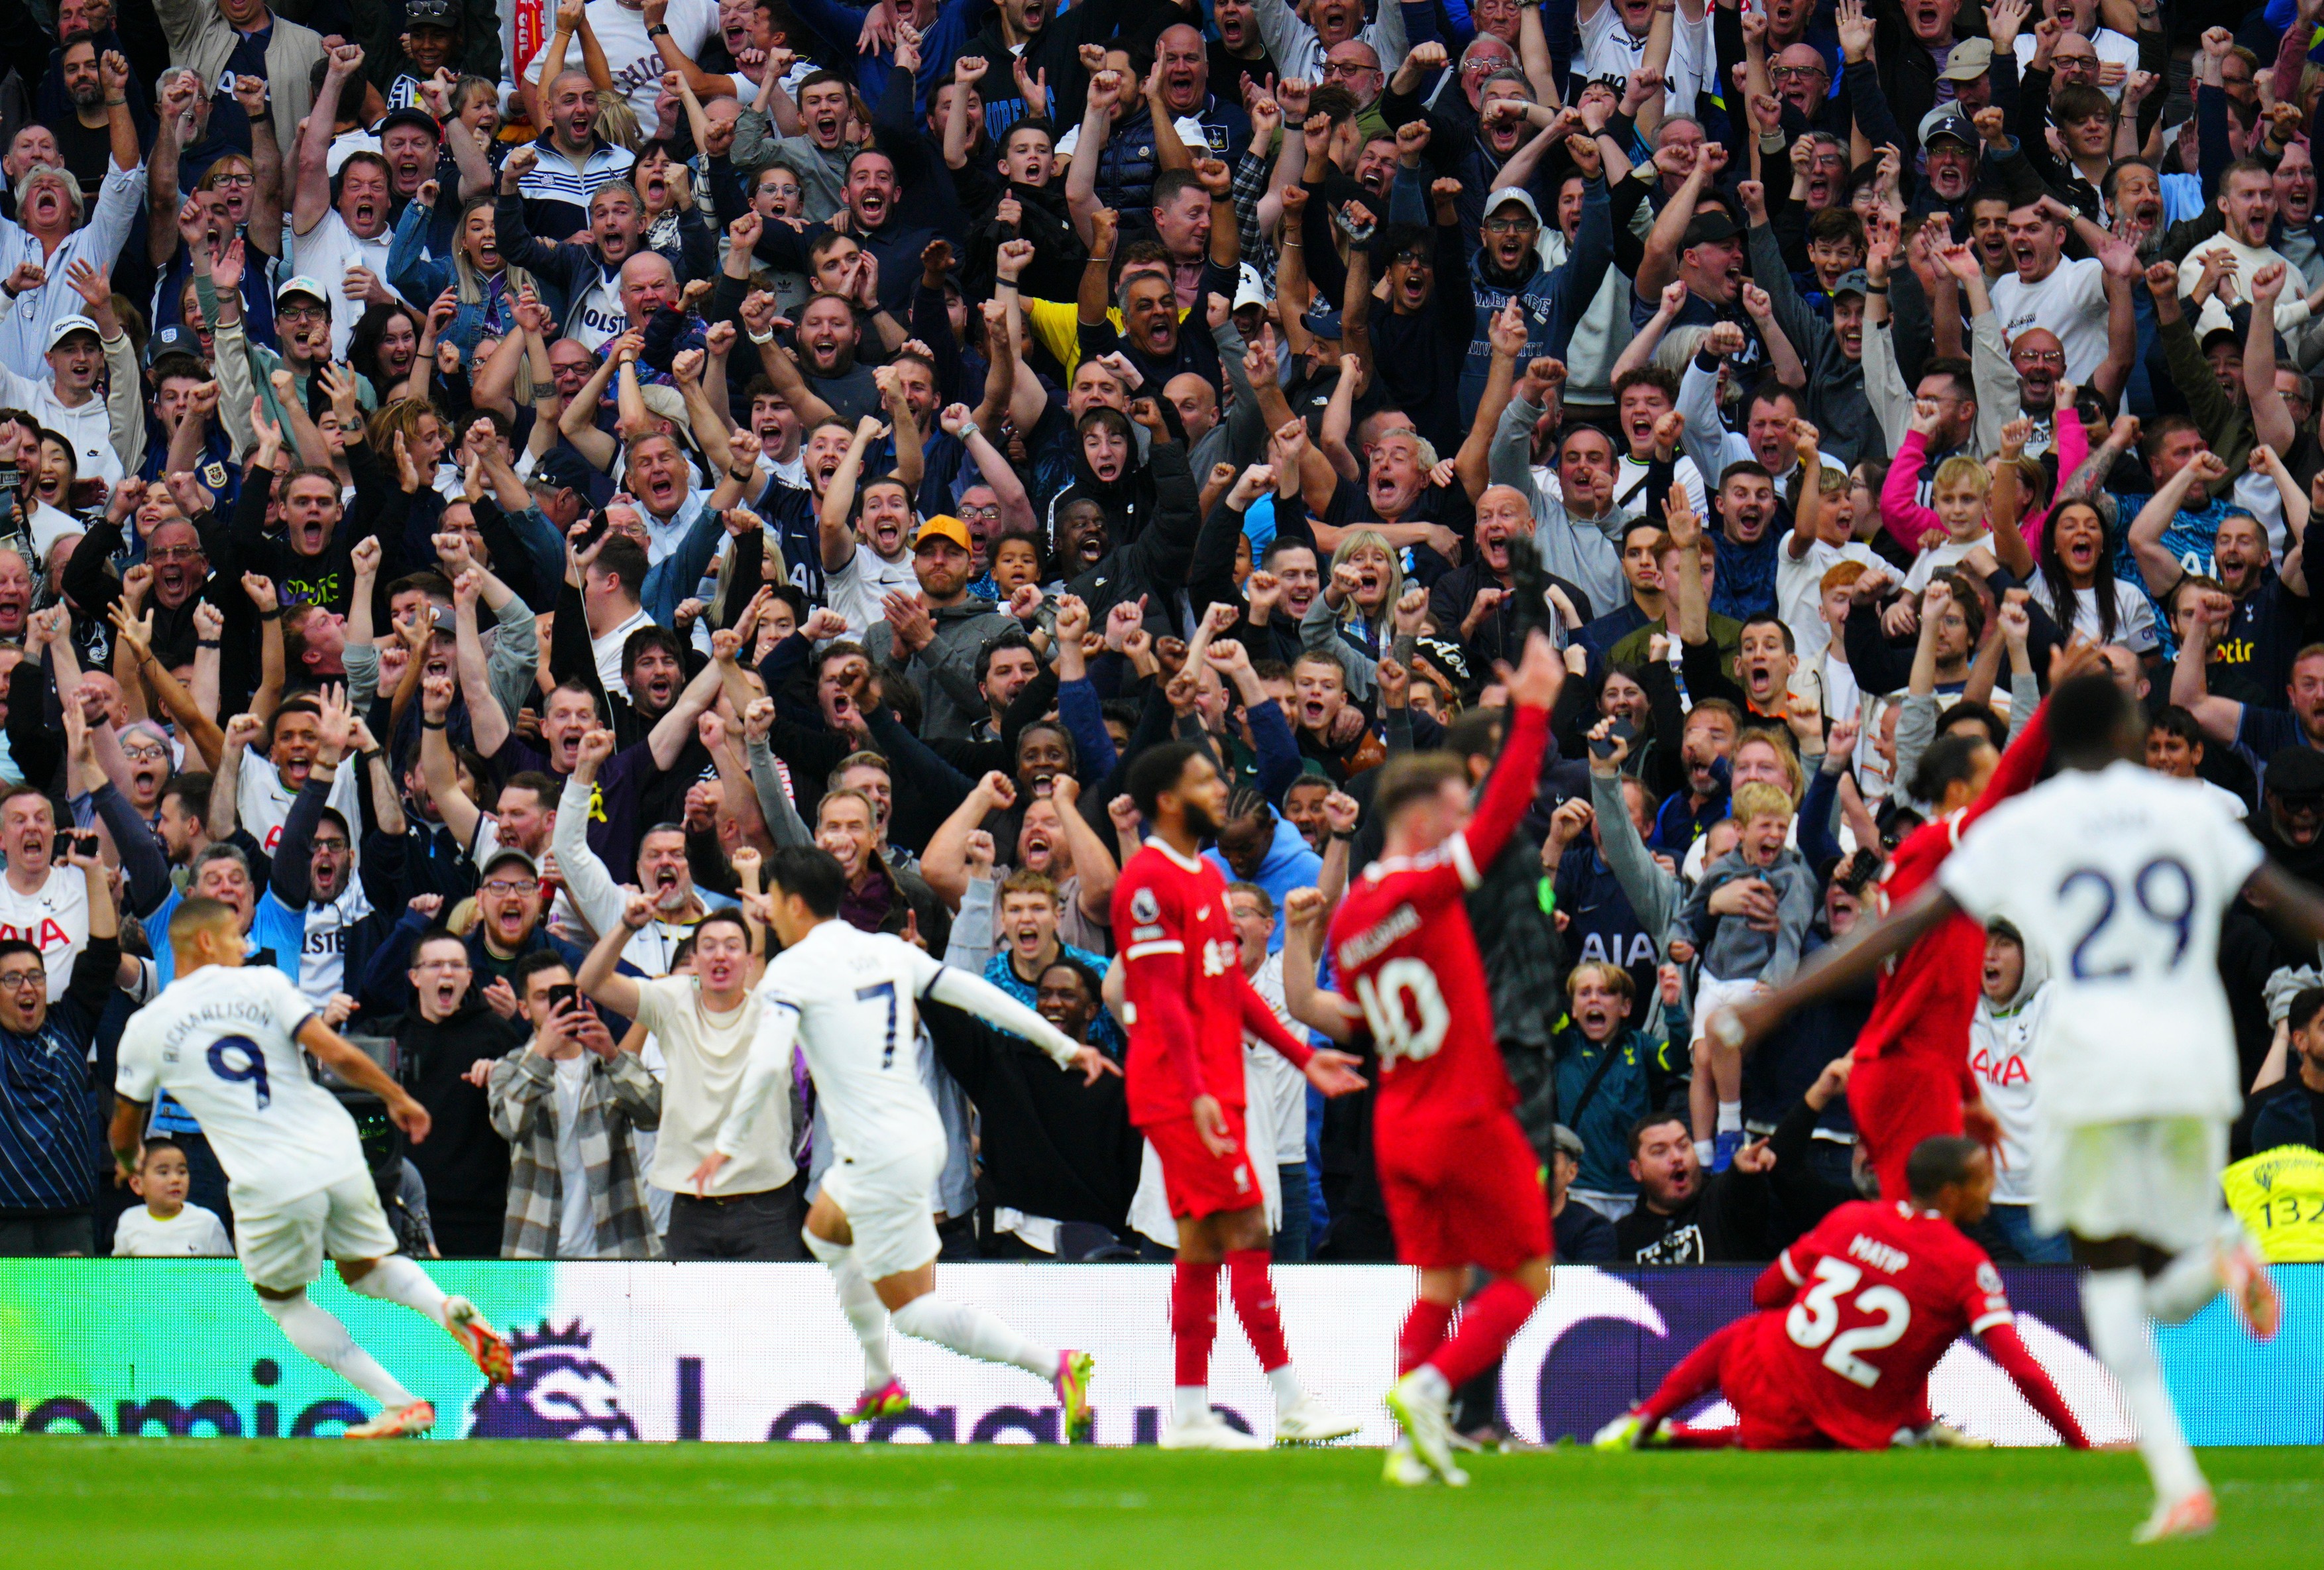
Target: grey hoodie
946,670
1735,950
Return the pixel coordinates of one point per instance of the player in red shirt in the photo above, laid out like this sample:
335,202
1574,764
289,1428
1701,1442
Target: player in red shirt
1188,1005
1854,1316
1461,1184
1911,1078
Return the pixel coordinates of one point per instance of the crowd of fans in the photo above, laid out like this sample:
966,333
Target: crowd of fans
465,524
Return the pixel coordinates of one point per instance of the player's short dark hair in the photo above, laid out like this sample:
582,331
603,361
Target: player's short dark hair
1415,777
1770,619
2305,1004
520,974
814,876
192,790
1082,973
1156,770
2086,714
198,915
1938,1161
1653,1120
1949,759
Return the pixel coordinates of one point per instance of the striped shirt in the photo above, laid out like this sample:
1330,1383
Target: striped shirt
557,189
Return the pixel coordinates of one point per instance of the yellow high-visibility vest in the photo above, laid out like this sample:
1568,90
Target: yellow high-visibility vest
2279,1196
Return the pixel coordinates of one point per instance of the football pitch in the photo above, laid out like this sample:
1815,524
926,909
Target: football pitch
481,1505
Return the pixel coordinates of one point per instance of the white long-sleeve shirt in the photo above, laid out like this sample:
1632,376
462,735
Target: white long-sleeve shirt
24,330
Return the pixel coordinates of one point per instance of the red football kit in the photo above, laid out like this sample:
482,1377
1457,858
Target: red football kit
1911,1074
1187,1008
1854,1316
1461,1183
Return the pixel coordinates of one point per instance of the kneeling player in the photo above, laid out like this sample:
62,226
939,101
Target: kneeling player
223,1039
1854,1316
1461,1184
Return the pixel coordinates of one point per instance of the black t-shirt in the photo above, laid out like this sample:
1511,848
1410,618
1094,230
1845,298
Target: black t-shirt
88,153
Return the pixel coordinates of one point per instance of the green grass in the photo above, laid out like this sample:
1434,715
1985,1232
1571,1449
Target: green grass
248,1505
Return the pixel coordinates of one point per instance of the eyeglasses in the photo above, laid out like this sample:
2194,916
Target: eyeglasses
338,847
148,755
1346,68
1510,226
504,886
2043,356
441,965
302,313
16,981
1798,72
1411,256
175,553
985,513
233,179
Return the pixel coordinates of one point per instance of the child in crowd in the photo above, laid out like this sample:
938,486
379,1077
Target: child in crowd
167,1227
1958,491
1744,951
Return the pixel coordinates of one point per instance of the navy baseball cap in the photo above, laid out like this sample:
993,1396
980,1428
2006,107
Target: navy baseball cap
173,339
562,469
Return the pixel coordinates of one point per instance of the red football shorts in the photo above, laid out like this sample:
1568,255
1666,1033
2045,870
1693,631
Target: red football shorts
1465,1195
1899,1101
1197,1183
1769,1413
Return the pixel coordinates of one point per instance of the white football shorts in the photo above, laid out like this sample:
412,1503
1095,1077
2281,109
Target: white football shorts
2157,1179
890,1205
282,1247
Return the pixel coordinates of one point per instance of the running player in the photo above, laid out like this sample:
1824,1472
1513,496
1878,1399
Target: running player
1912,1078
223,1039
2124,874
848,1001
1188,1005
1853,1317
1461,1182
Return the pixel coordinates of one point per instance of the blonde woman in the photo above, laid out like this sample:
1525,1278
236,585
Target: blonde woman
482,283
1354,616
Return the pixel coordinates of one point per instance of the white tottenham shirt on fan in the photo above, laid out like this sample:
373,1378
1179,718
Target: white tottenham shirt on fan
2120,876
223,1042
54,918
261,801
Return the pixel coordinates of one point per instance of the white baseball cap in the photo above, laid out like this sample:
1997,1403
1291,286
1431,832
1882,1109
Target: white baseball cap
65,327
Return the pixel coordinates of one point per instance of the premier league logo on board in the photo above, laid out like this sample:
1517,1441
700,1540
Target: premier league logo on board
561,1391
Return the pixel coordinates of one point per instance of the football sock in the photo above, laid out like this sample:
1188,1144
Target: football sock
396,1280
1284,1381
1693,1375
2114,1306
1730,1117
1194,1322
317,1333
866,1314
1423,1333
1253,1291
1189,1403
974,1332
2188,1282
1487,1320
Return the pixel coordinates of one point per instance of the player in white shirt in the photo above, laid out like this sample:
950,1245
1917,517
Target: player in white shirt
224,1040
2121,875
848,1001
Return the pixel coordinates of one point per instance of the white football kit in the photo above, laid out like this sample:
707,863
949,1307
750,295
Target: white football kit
2121,876
850,1001
223,1041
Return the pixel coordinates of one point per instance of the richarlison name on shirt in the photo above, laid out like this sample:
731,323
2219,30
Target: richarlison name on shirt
227,1013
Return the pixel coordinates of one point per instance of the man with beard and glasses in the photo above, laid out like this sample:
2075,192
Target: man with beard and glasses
343,242
46,245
